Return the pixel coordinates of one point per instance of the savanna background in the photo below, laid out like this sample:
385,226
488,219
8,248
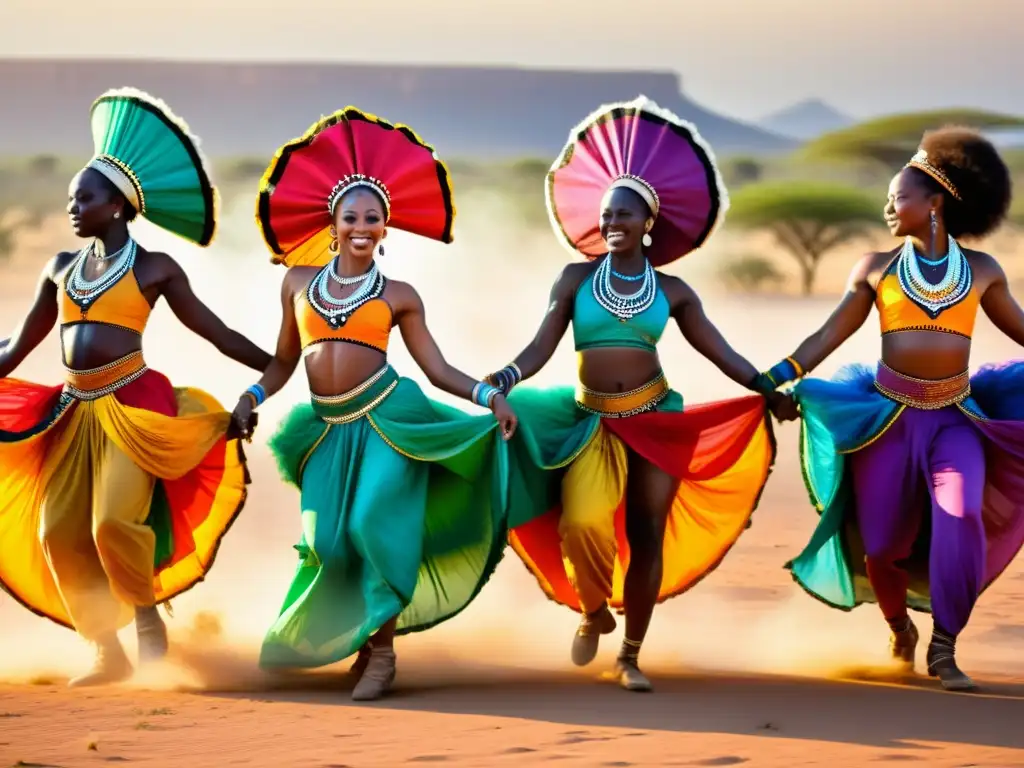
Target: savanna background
748,669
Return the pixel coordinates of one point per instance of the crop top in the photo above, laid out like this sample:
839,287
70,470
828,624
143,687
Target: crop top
122,305
897,312
369,326
594,327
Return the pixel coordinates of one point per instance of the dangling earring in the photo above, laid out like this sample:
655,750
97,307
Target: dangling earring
647,240
117,214
380,249
334,247
935,227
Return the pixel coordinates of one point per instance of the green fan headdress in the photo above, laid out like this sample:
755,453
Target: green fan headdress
148,153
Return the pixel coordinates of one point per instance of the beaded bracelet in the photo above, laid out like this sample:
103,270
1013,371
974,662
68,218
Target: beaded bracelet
483,394
783,372
508,377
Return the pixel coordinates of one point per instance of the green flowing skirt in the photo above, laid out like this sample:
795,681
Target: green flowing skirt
403,512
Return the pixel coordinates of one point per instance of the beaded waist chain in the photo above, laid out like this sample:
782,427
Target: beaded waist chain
357,402
925,394
621,404
95,383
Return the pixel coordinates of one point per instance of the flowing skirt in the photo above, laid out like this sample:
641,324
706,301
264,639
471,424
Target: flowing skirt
922,507
568,487
112,496
403,513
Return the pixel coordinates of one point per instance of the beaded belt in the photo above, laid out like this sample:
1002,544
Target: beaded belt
621,404
925,394
357,402
99,382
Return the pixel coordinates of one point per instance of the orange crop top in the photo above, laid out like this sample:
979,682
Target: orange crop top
121,305
897,312
369,326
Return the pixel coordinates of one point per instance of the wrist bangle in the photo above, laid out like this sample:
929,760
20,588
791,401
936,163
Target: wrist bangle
258,393
483,393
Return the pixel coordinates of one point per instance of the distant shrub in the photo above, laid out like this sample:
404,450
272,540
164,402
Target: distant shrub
751,274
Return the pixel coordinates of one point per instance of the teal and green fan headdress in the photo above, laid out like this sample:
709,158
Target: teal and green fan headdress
148,153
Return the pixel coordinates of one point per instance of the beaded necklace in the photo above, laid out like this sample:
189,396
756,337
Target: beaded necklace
621,305
934,298
84,292
337,311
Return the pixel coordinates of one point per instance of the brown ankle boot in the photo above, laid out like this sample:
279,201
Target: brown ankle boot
903,643
362,659
588,635
111,665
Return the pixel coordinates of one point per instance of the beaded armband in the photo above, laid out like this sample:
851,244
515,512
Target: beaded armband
508,377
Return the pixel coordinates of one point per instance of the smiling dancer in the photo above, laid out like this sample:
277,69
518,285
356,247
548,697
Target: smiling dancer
644,498
402,498
916,467
116,488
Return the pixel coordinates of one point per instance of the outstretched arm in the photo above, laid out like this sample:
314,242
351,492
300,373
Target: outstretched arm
289,346
845,320
201,320
1000,306
703,336
33,329
282,364
554,325
412,323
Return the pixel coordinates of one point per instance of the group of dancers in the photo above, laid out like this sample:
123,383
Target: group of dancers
116,488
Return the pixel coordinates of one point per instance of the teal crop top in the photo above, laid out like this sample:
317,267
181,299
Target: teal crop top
594,327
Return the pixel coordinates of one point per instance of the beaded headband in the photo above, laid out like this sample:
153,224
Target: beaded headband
359,180
121,176
643,188
920,161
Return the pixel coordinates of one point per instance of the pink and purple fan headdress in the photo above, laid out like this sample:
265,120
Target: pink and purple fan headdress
651,151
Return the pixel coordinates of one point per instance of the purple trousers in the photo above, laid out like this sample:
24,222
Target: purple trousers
928,462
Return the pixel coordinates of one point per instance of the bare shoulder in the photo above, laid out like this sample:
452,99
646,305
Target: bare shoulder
985,268
402,297
58,265
981,261
572,277
297,279
675,288
871,267
158,266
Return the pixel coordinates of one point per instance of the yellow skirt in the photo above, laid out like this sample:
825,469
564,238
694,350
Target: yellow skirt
115,492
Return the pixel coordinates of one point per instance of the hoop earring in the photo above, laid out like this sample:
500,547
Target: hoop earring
380,249
647,241
334,247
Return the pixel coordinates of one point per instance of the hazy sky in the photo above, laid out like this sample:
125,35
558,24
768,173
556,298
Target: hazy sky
741,57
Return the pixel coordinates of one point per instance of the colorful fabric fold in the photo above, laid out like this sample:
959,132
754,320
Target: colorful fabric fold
848,420
154,466
403,512
567,488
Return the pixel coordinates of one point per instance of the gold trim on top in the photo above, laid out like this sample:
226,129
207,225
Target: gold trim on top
344,397
622,404
94,383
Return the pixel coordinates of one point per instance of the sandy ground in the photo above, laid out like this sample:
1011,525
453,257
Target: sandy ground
748,670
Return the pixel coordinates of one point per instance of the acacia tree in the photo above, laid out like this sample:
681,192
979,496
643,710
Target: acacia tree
807,219
893,139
